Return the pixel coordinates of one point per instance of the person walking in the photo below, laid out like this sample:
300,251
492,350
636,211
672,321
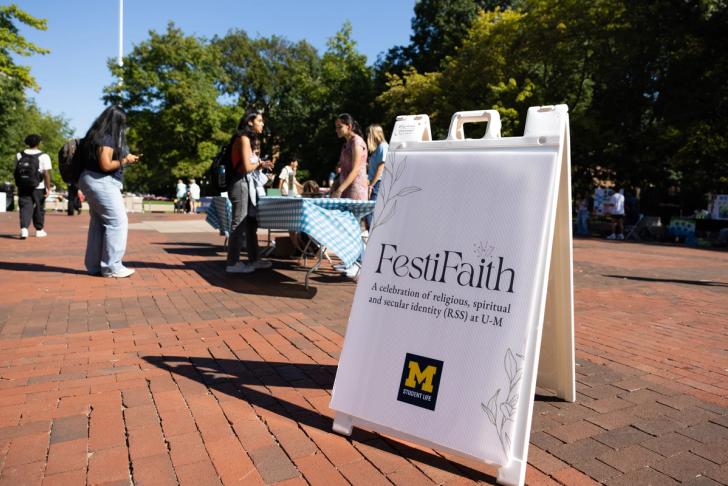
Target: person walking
242,194
33,180
582,215
617,210
105,155
378,147
194,191
180,196
352,160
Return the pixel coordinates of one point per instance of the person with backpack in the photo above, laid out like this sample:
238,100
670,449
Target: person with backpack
33,180
104,154
242,193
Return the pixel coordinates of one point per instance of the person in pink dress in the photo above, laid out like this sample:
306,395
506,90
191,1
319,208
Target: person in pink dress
353,160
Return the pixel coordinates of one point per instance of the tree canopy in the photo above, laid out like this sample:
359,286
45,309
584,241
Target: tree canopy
20,116
644,82
184,96
641,80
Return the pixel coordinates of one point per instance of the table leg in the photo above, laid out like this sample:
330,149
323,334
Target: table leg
316,265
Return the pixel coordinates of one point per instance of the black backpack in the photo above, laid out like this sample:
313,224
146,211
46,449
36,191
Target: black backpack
221,168
27,171
70,162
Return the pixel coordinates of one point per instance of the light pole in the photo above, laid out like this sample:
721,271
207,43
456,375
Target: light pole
120,61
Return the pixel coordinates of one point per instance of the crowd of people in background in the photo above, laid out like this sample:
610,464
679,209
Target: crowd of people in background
104,153
187,197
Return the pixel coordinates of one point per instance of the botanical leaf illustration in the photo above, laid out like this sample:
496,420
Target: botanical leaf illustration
400,169
491,409
510,364
388,193
508,406
388,215
407,190
507,409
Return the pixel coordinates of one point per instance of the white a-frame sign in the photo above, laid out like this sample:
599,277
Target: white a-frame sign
467,275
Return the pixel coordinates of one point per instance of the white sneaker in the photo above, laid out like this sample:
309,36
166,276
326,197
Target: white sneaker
240,267
123,273
352,271
612,237
340,267
365,234
261,264
41,234
23,233
620,236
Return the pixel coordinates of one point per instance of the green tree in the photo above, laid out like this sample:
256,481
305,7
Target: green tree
11,42
347,88
299,91
28,118
168,88
644,83
20,117
438,29
278,77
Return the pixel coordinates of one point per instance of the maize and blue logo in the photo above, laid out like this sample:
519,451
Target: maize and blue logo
420,381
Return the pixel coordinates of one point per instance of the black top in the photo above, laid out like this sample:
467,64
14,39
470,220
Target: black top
93,163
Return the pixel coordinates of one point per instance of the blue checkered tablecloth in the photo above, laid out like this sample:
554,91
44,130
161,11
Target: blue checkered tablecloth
334,223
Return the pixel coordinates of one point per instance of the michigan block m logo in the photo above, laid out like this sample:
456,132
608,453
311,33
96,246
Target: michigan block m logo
420,381
417,376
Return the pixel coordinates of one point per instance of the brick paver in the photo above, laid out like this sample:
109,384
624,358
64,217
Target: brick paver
182,375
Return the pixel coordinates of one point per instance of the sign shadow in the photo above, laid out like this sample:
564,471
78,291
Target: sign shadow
245,380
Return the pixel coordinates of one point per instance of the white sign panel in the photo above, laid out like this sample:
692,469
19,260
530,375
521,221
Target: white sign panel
451,294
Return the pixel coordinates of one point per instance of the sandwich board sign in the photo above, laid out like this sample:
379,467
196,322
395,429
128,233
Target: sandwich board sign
467,277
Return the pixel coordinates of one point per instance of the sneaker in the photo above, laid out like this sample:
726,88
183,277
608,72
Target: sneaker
261,264
612,237
240,267
23,233
352,271
340,267
620,236
41,234
123,273
365,235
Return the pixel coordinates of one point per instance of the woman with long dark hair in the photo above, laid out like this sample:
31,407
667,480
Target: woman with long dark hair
242,194
352,160
105,154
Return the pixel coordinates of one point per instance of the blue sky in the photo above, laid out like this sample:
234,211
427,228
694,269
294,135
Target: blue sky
83,34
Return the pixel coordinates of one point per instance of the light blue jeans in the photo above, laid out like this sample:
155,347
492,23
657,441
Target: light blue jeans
107,231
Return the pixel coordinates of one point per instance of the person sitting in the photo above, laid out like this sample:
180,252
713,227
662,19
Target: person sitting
311,189
300,241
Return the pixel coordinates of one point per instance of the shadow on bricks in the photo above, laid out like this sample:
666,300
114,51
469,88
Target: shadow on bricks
37,267
237,377
271,283
707,283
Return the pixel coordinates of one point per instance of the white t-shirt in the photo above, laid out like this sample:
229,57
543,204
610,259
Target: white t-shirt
288,176
617,204
44,163
194,191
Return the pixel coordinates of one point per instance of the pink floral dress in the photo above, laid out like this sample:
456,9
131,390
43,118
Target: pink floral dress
359,188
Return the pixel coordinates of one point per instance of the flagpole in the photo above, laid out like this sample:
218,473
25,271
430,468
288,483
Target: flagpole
120,57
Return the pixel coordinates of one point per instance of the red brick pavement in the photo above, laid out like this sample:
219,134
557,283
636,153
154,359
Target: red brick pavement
182,375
